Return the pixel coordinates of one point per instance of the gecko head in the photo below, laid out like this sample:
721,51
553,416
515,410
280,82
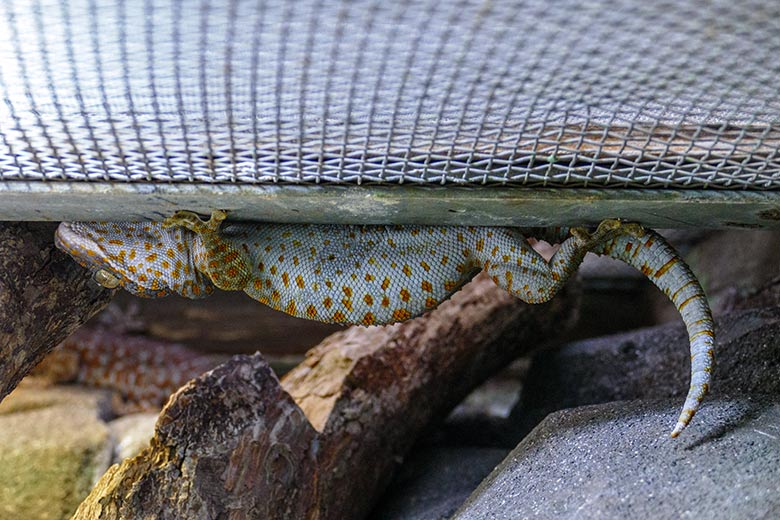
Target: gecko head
144,258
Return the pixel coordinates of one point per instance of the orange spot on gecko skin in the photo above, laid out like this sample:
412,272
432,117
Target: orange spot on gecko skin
368,319
494,251
116,242
286,279
368,299
427,286
347,304
347,291
460,237
385,283
369,277
147,246
686,302
327,302
275,296
480,245
668,265
258,283
449,285
290,309
509,279
401,314
311,311
405,295
273,269
339,317
407,270
299,281
231,256
232,272
196,290
425,266
431,302
165,265
385,301
444,260
555,276
295,260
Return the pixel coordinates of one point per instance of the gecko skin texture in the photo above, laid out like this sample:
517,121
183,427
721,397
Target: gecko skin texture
371,275
141,372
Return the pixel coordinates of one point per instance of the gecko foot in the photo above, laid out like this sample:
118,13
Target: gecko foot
193,222
607,230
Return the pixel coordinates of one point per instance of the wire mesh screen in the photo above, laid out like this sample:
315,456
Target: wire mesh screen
617,93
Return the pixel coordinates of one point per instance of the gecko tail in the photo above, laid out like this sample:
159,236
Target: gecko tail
654,256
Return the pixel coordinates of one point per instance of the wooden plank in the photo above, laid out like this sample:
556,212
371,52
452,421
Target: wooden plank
391,204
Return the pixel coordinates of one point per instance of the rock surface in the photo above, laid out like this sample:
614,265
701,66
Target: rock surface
653,363
54,448
617,461
131,434
434,482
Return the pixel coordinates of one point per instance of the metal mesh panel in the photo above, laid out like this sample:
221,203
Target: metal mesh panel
619,93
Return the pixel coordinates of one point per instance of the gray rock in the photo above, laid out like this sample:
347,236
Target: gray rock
434,482
738,268
618,461
653,363
131,434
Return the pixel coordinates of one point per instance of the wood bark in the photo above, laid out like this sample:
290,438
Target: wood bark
44,296
323,444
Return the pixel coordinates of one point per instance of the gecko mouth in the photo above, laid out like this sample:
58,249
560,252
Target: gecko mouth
79,245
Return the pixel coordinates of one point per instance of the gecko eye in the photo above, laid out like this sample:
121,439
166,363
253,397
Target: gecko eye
105,279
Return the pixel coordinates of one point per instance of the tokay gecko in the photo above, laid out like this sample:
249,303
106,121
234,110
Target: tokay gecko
371,274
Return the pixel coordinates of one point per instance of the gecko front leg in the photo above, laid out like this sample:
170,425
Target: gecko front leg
228,266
